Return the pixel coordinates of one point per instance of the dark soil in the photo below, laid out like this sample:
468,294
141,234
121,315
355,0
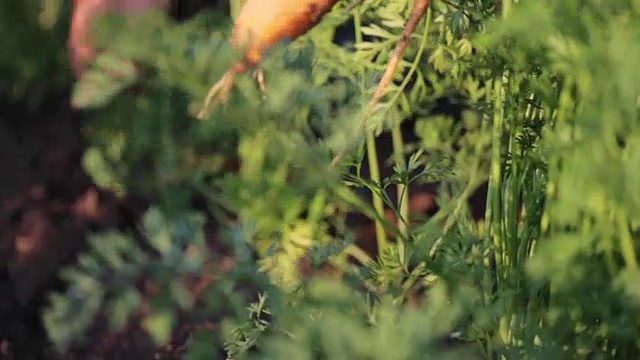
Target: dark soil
47,207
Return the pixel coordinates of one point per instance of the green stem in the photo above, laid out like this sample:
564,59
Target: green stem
489,277
235,6
372,154
358,254
345,194
495,176
626,241
396,133
507,7
514,187
557,119
461,202
403,188
496,230
378,201
496,185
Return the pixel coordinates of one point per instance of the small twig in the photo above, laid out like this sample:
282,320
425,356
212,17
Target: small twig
218,93
354,5
260,79
417,13
453,216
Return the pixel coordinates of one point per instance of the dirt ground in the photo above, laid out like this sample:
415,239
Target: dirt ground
47,206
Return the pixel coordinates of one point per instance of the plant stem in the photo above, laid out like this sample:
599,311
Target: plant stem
402,191
496,230
402,188
378,202
626,241
372,154
345,194
494,205
507,7
396,133
235,6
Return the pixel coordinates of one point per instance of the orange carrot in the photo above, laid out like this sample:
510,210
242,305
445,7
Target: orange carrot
259,26
263,23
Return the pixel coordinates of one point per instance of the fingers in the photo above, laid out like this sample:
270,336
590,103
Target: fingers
85,13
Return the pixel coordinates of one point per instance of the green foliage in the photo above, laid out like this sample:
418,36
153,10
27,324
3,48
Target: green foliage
32,62
335,322
109,274
550,122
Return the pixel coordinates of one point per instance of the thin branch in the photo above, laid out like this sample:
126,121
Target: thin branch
354,5
417,13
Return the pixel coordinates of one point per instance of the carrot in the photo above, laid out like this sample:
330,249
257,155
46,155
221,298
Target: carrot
263,23
259,26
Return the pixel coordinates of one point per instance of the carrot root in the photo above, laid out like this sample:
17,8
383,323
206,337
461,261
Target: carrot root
219,92
261,82
258,27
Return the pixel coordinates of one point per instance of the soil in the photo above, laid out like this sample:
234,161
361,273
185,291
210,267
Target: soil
47,207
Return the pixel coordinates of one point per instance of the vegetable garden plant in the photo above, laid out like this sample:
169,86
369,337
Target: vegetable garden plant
550,125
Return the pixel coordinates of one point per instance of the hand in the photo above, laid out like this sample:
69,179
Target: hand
85,13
